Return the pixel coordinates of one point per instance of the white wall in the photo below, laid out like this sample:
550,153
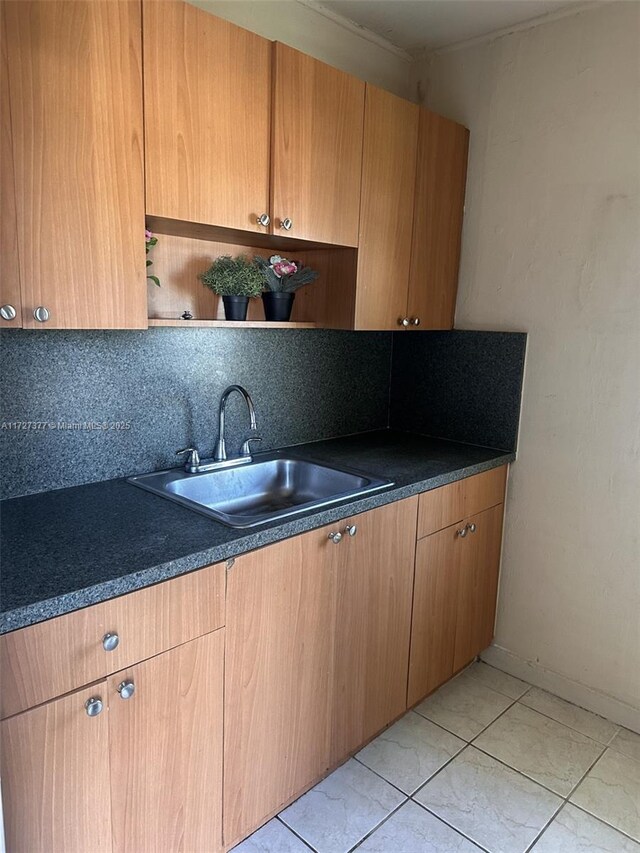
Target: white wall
307,30
551,245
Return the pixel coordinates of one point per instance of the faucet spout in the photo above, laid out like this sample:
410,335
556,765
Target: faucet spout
220,454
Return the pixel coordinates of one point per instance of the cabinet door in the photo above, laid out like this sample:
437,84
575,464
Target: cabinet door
437,221
435,599
278,655
478,585
166,750
10,297
386,212
207,88
55,777
317,149
75,83
374,587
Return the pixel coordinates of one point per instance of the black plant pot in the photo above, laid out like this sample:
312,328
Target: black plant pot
277,306
235,307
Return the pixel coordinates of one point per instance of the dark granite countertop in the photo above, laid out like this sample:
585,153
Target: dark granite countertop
65,549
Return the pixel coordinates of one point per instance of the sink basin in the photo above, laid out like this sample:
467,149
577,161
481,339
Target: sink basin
262,491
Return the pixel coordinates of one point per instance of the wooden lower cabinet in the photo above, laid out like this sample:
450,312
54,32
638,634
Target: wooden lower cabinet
478,585
166,751
144,774
454,600
435,602
55,777
316,661
372,627
277,668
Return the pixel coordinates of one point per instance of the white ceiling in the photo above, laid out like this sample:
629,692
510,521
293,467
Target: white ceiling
416,25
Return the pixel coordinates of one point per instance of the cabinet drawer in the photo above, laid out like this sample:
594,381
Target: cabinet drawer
55,657
442,507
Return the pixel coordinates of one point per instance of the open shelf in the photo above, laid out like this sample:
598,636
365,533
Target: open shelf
232,324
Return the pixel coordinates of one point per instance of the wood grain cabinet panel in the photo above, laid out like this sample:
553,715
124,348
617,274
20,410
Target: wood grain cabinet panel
435,606
437,221
60,655
317,149
374,588
10,295
277,677
166,751
478,585
444,506
55,777
75,86
207,86
386,212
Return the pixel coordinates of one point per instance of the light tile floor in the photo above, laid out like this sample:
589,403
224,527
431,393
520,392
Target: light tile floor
485,763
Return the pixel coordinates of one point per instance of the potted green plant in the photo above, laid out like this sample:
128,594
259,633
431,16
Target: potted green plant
281,279
236,280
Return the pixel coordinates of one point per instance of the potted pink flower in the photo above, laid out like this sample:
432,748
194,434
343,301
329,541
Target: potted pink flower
281,280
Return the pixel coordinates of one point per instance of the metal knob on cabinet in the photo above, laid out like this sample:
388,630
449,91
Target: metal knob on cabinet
126,689
415,321
351,529
110,642
286,224
8,312
403,321
41,314
264,219
471,527
462,532
93,706
336,538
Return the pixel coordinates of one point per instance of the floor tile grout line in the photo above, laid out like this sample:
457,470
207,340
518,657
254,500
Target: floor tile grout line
584,776
521,772
451,826
546,826
603,821
482,731
380,776
378,825
566,725
299,837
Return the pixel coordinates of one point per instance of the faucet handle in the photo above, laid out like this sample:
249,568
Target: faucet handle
192,460
245,450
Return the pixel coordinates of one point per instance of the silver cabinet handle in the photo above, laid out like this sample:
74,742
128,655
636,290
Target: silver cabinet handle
415,321
93,706
41,314
287,224
110,641
264,219
126,689
471,527
403,321
351,529
8,312
462,532
336,538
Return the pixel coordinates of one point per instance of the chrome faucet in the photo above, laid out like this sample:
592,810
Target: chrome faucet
220,454
193,464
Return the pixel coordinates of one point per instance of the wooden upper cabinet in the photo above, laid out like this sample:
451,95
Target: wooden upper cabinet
317,149
55,775
386,213
75,86
10,296
437,221
207,89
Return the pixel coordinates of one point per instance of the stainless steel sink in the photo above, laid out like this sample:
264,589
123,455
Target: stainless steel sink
265,490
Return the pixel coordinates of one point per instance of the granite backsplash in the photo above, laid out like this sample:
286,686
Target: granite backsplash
79,407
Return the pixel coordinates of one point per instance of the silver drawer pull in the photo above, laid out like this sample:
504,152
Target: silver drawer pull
110,642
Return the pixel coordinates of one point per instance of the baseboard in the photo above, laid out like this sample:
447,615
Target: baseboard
581,695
